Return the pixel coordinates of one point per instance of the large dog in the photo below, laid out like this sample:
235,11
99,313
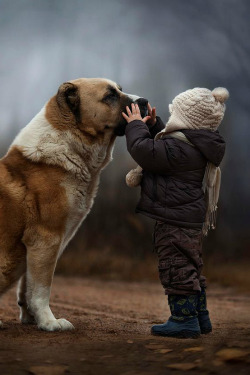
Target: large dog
48,181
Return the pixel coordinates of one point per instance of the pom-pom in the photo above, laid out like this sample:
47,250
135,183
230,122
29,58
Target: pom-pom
221,94
134,177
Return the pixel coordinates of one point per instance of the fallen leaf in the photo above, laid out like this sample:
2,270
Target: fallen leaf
183,366
217,362
48,370
232,355
198,360
194,349
164,351
154,346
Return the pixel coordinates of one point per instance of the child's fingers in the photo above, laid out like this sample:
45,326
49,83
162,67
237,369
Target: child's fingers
125,116
149,109
128,110
145,119
133,109
153,112
137,108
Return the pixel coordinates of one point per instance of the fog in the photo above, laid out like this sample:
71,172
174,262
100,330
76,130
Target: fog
152,49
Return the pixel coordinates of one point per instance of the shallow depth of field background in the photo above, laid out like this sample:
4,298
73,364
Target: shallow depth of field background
154,49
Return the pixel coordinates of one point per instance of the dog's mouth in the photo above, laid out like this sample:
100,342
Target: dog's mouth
143,105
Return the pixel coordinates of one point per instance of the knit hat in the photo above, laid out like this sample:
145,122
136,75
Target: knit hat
198,108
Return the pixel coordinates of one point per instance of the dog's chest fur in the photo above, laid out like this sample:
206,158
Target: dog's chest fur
80,198
81,166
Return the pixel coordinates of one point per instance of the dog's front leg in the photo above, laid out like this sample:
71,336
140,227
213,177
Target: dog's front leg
41,262
25,314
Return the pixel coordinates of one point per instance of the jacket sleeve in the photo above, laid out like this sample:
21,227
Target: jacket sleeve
157,127
153,156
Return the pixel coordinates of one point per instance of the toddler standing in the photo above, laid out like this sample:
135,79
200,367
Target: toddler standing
179,176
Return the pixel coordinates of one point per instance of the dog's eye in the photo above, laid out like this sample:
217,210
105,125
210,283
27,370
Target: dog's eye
112,96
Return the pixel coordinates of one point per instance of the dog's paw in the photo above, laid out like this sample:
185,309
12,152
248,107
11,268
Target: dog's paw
56,325
27,318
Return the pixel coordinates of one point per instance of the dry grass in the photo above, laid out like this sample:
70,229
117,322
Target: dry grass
106,265
230,273
109,265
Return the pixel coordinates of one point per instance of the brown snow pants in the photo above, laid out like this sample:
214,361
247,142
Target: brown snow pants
179,252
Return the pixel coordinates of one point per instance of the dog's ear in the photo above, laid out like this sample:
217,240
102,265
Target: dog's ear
68,96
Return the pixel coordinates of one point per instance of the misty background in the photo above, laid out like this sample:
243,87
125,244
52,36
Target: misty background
155,49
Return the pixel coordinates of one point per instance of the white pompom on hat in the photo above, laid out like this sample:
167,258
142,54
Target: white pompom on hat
221,94
198,108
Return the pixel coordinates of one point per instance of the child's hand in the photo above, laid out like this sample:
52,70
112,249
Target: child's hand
135,114
152,114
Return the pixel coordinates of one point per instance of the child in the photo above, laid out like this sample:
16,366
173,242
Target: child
180,180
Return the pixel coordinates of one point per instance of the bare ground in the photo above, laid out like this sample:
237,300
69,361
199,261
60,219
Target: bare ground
112,335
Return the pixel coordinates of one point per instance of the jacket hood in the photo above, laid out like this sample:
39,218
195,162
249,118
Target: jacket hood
211,144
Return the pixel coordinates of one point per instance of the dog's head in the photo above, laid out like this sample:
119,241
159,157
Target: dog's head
94,106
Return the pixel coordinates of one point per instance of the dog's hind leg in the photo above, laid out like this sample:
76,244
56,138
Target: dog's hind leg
41,262
12,266
25,314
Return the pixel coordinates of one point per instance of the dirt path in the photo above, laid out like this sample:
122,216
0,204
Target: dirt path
113,321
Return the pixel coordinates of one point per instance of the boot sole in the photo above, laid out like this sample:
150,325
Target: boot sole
185,334
206,331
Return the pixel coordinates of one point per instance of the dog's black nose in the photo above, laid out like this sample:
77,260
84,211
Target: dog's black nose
142,102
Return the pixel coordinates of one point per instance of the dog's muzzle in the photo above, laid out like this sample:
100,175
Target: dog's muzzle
143,105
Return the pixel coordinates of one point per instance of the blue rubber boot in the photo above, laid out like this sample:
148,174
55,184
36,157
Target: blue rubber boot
203,314
183,322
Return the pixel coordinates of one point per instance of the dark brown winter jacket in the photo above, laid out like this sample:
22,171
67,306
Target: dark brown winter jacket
171,187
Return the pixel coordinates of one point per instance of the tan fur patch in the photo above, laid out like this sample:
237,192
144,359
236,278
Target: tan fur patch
30,197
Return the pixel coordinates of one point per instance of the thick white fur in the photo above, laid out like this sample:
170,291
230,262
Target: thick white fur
133,97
